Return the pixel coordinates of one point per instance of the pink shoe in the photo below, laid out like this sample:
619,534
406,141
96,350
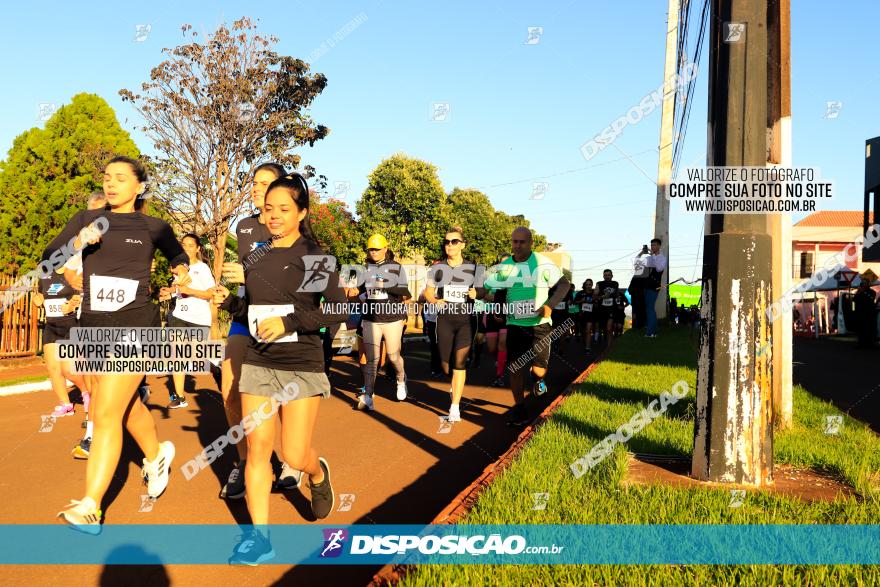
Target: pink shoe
63,410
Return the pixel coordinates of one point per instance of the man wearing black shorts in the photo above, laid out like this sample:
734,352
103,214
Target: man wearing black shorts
527,278
607,289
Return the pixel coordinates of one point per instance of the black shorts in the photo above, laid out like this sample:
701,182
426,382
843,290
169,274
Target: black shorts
619,317
587,317
530,344
605,314
58,329
145,316
481,323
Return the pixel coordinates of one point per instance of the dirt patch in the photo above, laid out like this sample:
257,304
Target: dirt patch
805,484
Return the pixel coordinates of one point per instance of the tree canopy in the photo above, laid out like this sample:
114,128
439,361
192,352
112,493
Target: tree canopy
49,173
217,108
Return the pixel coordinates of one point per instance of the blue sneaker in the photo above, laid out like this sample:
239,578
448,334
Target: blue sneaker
540,387
252,549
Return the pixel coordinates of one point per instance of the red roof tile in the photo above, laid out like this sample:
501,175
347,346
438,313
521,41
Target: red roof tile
836,218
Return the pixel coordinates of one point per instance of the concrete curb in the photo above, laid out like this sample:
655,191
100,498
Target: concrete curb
391,574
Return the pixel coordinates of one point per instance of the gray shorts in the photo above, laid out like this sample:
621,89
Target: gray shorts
266,382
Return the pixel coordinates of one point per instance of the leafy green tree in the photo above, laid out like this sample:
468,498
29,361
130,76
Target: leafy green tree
405,201
508,223
336,229
49,173
213,110
483,230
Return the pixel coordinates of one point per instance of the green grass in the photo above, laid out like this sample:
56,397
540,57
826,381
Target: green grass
17,380
636,372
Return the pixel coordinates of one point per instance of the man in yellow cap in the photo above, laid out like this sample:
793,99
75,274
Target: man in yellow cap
384,294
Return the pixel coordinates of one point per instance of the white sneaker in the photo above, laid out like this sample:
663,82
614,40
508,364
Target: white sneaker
155,473
401,391
289,478
454,414
83,516
365,402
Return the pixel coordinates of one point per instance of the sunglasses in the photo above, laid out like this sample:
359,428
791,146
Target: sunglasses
374,250
455,241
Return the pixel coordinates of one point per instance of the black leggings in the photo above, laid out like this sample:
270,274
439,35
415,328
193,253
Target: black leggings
454,339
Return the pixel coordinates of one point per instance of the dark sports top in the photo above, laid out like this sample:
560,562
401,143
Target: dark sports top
56,291
124,252
271,289
608,289
382,297
586,301
250,235
459,307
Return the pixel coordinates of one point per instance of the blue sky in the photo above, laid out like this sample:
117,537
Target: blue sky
519,112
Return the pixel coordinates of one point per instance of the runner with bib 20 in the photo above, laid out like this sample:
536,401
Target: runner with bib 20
527,278
192,309
116,280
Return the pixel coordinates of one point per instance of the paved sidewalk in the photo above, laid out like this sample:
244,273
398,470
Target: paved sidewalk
395,462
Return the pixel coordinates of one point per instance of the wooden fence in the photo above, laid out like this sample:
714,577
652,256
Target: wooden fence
19,322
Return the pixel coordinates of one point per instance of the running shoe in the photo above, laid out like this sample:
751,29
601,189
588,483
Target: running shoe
234,488
454,414
323,498
401,390
82,448
289,478
436,374
252,549
365,402
517,416
83,516
588,350
155,473
177,401
498,382
63,410
144,392
540,387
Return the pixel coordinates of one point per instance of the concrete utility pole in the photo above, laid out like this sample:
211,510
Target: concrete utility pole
733,431
664,167
779,127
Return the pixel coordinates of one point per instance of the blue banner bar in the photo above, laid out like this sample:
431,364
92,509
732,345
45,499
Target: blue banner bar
139,544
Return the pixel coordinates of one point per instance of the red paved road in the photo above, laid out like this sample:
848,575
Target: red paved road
394,461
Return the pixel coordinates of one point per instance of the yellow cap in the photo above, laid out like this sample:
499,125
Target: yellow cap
377,241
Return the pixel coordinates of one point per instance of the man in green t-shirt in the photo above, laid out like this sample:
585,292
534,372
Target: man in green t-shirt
527,278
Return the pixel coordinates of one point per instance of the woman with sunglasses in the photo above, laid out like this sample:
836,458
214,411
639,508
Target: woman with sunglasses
384,293
451,290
